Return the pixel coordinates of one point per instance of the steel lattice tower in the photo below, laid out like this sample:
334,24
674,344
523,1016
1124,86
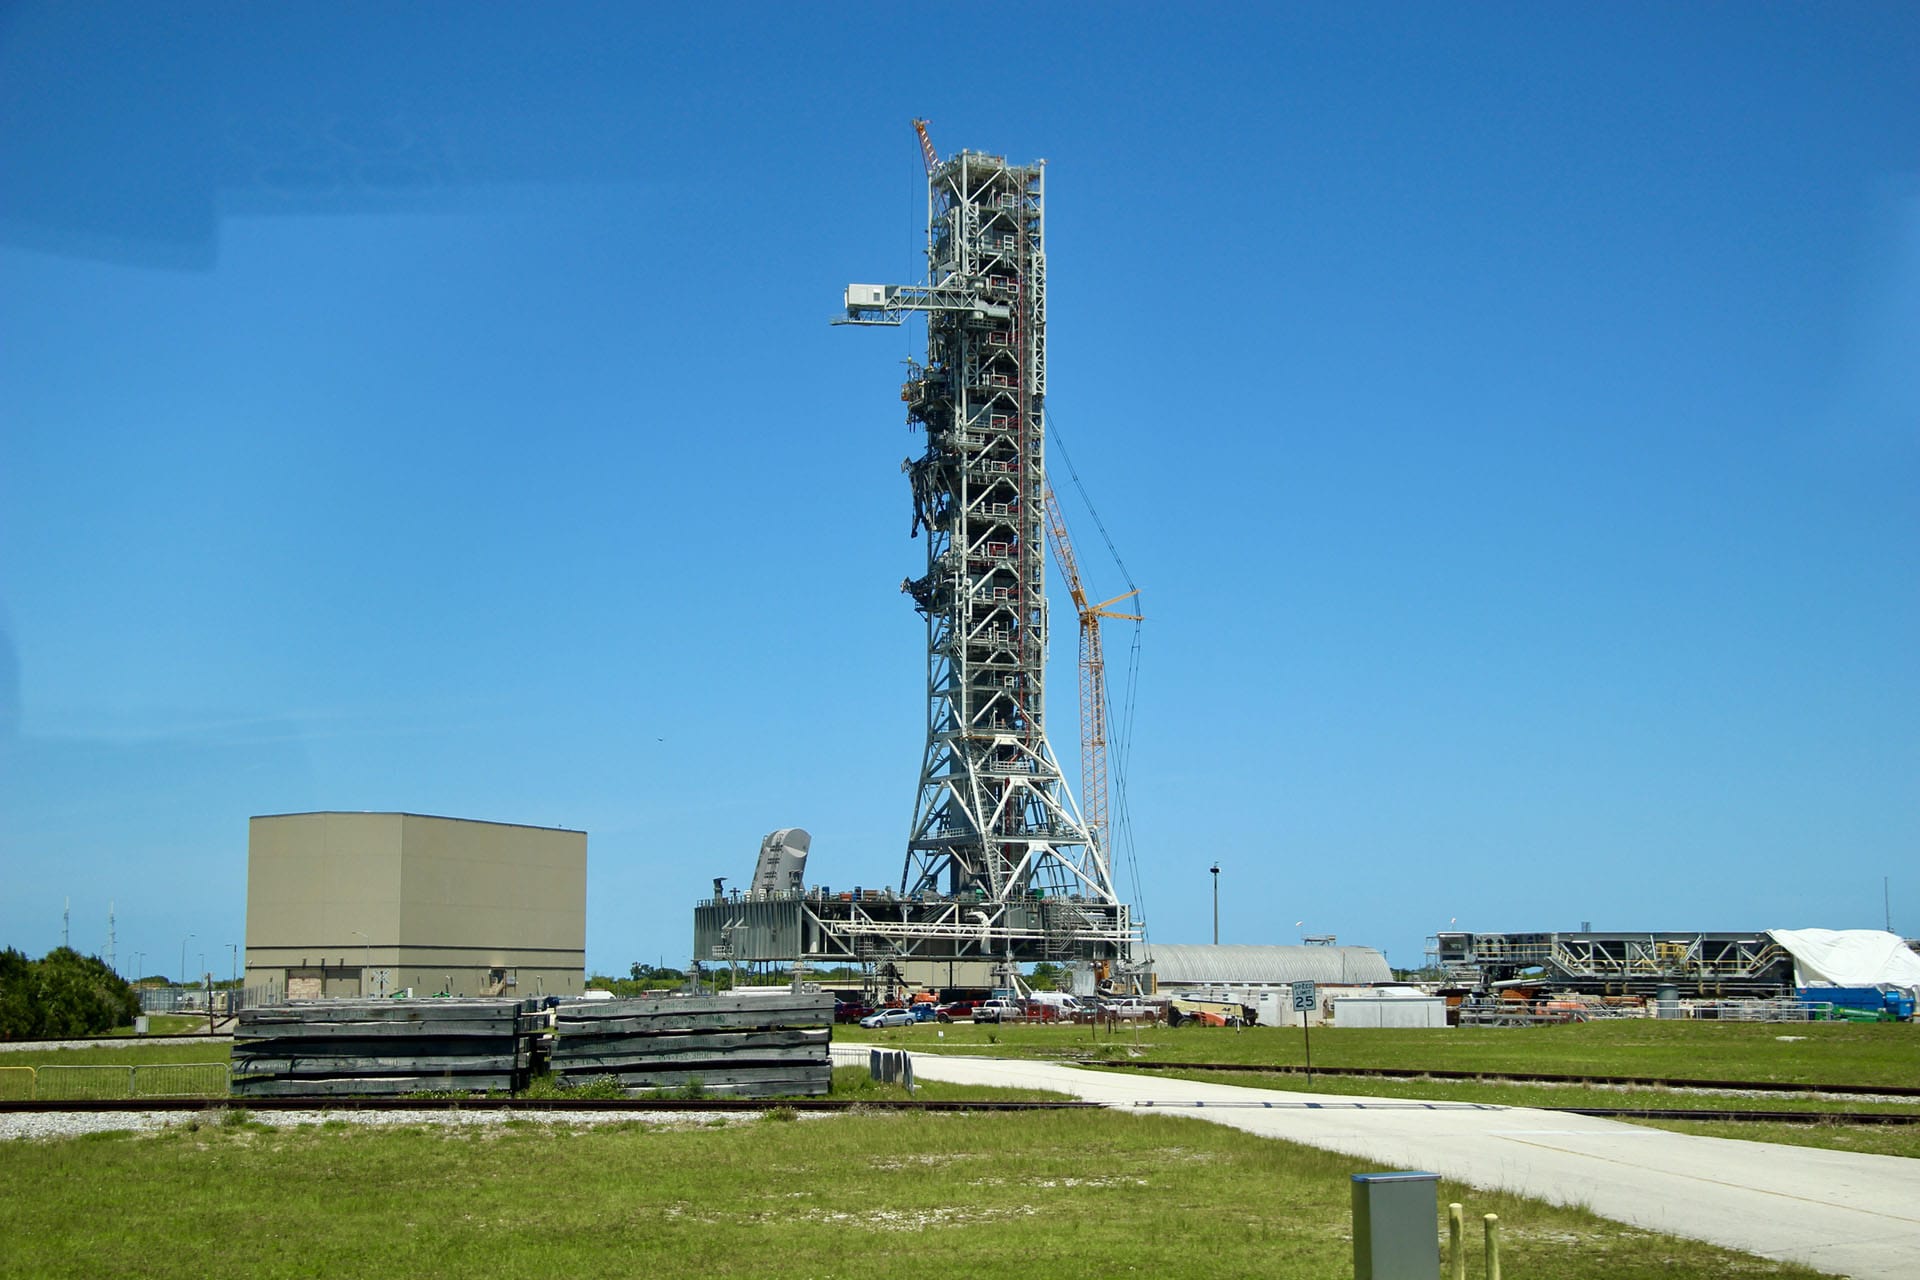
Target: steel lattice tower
993,817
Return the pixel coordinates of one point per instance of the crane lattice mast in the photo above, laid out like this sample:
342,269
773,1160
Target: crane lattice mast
1093,676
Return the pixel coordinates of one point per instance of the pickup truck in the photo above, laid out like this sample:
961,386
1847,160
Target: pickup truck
998,1010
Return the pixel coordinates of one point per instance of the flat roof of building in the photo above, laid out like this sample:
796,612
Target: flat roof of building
407,813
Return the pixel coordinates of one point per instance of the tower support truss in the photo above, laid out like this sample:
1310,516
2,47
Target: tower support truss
1000,865
993,816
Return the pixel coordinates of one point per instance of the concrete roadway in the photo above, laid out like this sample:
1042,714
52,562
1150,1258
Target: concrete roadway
1852,1215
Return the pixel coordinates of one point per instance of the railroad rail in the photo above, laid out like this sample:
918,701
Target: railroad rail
642,1105
1519,1077
403,1103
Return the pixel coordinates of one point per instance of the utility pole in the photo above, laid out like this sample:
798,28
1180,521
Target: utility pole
65,913
1216,904
183,959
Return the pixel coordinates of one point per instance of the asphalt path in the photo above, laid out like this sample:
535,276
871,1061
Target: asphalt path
1835,1211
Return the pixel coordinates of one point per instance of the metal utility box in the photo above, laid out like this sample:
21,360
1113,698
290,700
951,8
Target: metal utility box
866,295
1396,1226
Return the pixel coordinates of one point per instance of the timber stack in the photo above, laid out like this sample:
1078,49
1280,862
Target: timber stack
369,1048
761,1047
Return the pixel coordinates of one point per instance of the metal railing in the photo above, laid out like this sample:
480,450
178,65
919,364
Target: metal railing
1764,1011
74,1082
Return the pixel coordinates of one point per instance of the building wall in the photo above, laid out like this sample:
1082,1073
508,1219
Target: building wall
350,903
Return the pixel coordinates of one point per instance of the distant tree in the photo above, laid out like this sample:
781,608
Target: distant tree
1046,976
648,977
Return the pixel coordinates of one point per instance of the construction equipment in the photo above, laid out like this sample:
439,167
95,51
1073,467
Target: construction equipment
927,152
1093,674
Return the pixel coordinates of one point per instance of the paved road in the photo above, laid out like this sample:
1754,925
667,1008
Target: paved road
1853,1215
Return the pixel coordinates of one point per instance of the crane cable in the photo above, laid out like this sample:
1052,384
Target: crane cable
1119,733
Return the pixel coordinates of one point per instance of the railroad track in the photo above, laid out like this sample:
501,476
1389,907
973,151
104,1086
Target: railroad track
1522,1077
643,1105
92,1105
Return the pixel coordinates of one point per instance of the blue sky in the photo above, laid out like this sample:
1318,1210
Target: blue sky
1510,419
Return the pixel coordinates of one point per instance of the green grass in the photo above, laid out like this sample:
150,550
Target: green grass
855,1084
1533,1095
1873,1140
167,1024
855,1196
1822,1053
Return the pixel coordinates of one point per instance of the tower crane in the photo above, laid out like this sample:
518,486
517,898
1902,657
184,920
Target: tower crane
1093,672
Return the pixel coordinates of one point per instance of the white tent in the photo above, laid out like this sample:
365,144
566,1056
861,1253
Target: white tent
1850,958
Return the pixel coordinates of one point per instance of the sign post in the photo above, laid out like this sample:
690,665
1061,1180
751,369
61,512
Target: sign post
1304,998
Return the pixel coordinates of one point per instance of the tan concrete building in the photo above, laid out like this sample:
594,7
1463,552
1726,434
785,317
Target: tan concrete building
348,904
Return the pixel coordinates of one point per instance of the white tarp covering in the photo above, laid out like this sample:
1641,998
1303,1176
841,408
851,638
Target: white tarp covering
1850,958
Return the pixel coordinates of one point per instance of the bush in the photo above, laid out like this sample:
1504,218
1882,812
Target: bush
62,994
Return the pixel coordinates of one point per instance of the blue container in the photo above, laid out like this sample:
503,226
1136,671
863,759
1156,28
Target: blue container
1890,1004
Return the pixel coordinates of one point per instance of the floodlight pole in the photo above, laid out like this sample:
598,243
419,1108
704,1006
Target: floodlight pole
1216,904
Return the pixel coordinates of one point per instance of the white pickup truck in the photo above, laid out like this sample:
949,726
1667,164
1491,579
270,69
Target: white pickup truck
998,1010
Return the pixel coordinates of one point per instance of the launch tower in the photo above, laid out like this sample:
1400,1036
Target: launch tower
999,862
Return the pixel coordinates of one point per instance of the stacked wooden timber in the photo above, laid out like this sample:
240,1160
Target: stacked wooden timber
761,1047
373,1047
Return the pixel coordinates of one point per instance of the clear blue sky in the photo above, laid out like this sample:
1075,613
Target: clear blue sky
1511,418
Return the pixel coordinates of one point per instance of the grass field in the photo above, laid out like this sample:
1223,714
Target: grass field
1812,1053
1815,1053
1873,1140
1867,1054
1539,1095
1888,1140
1060,1194
1830,1054
168,1024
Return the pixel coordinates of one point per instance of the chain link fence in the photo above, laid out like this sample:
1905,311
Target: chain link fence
226,1000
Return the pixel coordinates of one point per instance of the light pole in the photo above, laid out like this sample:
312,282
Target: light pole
183,958
138,956
1216,904
234,960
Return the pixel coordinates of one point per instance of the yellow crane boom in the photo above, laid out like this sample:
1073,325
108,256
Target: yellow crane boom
1093,673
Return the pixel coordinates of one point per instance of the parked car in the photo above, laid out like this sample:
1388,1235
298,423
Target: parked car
890,1018
957,1009
850,1011
924,1011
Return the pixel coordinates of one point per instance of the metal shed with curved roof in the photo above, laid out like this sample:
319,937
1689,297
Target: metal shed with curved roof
1238,966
